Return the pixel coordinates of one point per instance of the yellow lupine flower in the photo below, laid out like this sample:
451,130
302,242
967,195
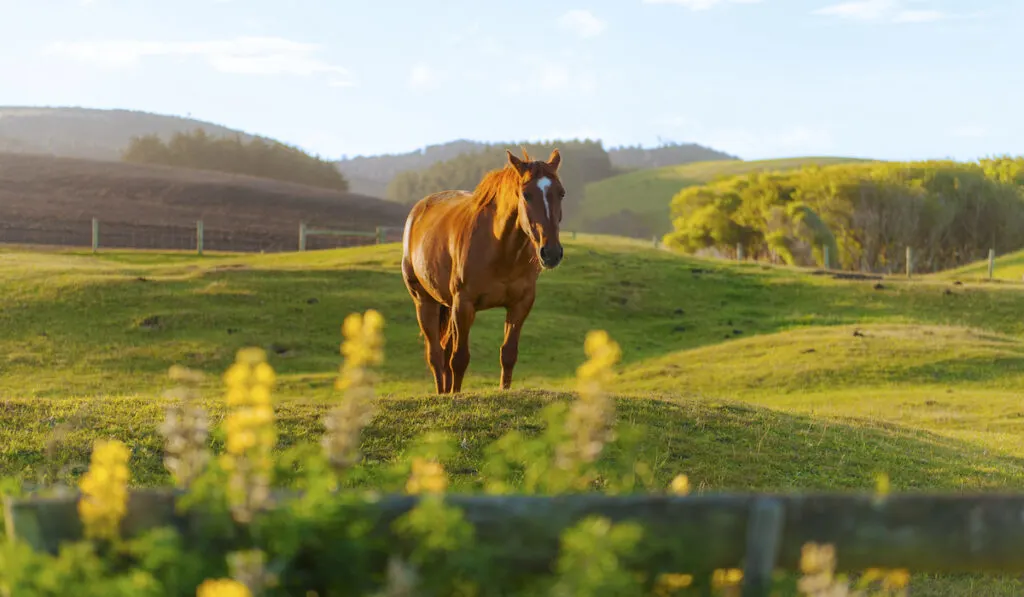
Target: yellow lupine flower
727,577
249,430
222,587
896,579
104,488
680,485
362,349
427,476
589,423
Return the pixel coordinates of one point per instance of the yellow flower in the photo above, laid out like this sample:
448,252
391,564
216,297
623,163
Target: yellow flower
726,577
589,423
427,476
896,579
680,485
668,583
104,487
249,430
362,349
882,485
222,587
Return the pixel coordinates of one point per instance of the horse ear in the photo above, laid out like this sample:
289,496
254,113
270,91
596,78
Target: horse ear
555,159
517,163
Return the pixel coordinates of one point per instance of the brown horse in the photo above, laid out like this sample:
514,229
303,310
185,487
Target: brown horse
464,252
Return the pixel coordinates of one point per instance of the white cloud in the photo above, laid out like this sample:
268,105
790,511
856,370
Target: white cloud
267,56
700,4
423,77
894,11
583,23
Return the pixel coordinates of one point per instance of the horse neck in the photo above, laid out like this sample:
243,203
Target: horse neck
512,241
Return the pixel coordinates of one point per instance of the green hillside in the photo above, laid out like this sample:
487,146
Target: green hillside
1007,267
637,204
746,377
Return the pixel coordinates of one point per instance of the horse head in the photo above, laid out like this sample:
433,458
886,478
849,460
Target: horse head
540,205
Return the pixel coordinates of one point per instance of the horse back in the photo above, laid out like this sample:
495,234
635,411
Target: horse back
432,225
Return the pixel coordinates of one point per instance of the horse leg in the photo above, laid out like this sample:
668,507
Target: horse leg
515,317
463,315
446,348
428,313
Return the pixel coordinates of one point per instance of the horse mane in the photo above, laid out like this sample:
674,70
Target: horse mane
498,187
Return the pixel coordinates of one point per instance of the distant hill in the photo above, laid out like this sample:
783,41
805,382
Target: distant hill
50,200
637,203
103,134
671,154
372,174
88,133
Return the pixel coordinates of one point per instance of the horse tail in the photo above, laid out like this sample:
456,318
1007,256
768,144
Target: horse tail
446,325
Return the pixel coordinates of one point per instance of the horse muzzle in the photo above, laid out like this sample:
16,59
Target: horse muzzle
551,257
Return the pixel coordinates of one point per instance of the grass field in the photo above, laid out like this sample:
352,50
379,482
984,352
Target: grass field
646,194
746,377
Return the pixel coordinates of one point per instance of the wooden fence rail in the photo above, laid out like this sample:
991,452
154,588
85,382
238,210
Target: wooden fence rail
930,533
379,233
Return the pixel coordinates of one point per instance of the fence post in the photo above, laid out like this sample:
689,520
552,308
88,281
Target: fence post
199,237
910,261
764,534
825,257
991,263
302,236
95,234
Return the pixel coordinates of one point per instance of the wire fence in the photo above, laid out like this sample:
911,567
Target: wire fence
116,235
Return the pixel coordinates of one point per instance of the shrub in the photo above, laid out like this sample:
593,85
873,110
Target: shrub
867,214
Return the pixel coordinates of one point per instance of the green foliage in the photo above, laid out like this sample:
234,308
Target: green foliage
637,203
867,214
255,157
582,162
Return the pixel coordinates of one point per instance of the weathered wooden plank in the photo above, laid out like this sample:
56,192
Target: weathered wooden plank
764,534
919,532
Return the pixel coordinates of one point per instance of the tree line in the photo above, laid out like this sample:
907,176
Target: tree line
229,153
582,162
951,213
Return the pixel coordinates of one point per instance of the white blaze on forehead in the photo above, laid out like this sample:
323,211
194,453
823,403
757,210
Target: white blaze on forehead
543,185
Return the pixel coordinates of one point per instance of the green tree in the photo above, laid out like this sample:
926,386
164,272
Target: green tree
257,157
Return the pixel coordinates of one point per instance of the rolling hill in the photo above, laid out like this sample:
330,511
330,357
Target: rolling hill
50,200
371,174
88,133
100,134
637,203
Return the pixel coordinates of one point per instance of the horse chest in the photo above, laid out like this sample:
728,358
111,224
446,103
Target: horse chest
500,295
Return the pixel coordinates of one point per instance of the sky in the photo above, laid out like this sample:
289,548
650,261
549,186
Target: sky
885,79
